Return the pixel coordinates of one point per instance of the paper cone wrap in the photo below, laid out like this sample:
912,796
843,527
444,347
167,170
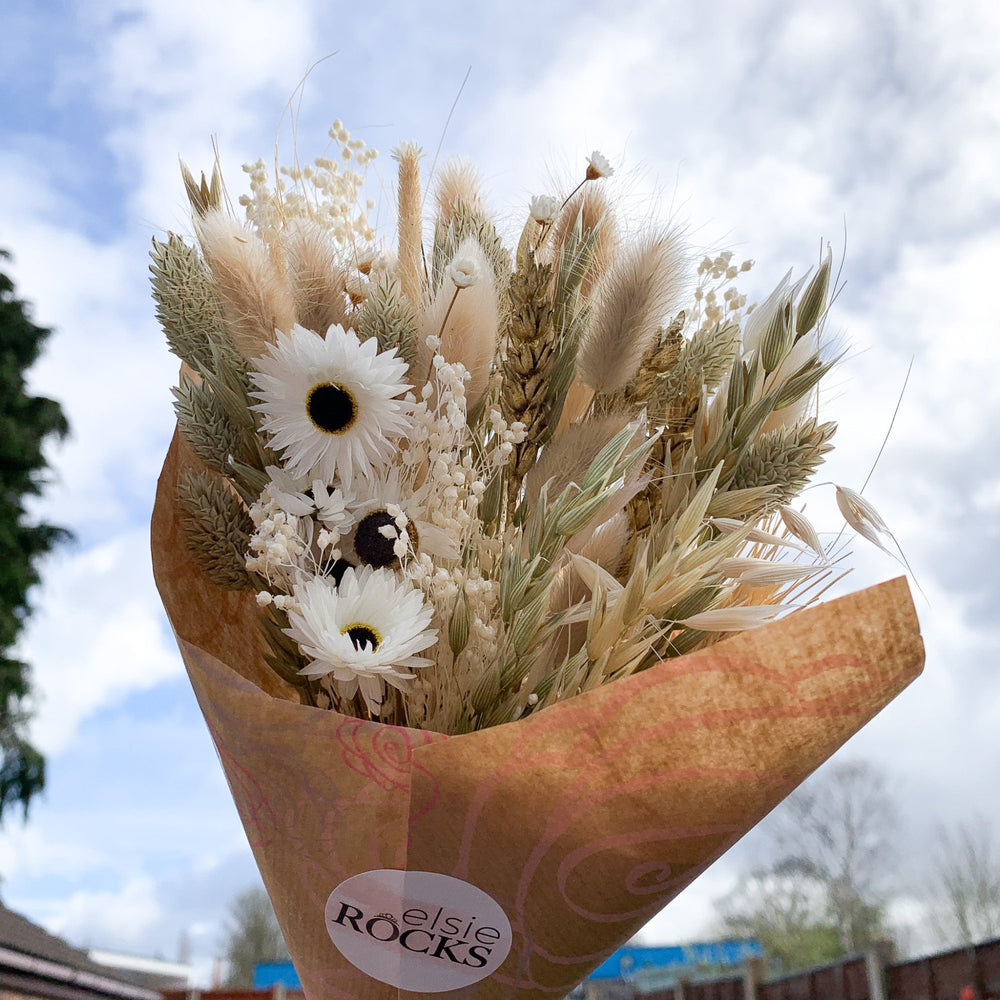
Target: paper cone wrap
581,822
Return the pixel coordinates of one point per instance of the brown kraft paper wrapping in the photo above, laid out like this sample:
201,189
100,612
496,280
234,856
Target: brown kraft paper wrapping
581,822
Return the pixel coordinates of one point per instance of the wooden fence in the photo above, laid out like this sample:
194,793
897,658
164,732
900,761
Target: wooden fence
963,974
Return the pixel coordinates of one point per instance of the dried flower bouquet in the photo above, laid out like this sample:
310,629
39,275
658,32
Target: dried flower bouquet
467,484
426,491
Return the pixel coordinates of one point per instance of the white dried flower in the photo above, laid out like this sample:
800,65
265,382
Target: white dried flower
365,632
463,272
331,404
598,166
544,208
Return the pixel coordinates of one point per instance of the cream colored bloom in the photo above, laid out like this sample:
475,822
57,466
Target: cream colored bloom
331,404
598,166
463,272
544,208
364,631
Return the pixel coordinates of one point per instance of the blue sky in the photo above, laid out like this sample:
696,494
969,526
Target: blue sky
766,130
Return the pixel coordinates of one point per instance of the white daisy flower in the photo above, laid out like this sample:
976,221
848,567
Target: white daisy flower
598,166
331,505
331,403
392,522
365,632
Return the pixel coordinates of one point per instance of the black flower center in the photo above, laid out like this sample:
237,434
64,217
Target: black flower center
362,635
331,408
372,547
337,569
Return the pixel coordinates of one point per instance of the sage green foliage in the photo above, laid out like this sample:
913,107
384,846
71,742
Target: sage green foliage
388,316
218,529
784,459
213,409
26,423
186,303
470,221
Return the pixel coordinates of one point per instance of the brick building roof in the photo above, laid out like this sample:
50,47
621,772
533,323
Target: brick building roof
38,964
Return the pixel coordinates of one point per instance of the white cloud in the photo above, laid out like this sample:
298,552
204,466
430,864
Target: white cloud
147,915
124,916
96,635
28,851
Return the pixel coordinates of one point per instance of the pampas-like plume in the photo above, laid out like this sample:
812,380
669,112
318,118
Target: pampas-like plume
317,278
567,456
256,300
410,264
640,291
466,319
457,184
593,207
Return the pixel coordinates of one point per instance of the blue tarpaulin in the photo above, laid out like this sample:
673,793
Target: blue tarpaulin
627,961
268,974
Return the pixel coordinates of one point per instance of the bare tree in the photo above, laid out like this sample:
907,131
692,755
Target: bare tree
252,936
966,883
839,830
825,894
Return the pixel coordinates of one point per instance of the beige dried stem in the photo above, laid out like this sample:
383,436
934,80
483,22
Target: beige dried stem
256,300
593,208
641,290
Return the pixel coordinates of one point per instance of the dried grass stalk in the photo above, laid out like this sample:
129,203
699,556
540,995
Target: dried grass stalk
186,304
388,316
567,456
783,460
470,222
218,529
530,347
457,186
591,209
206,426
467,321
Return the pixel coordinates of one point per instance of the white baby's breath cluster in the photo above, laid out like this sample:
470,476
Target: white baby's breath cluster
329,191
716,296
469,482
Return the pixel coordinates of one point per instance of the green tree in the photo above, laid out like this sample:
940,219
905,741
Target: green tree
785,913
26,423
252,936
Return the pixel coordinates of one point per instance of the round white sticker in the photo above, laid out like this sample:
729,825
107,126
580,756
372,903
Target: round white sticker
418,931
